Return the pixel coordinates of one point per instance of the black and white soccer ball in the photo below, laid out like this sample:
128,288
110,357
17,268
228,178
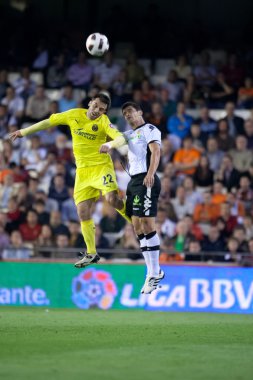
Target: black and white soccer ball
97,44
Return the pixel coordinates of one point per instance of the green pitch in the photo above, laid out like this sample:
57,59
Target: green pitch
122,345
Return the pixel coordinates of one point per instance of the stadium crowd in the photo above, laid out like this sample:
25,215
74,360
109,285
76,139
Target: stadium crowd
206,167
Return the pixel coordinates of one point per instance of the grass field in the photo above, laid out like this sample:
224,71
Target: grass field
74,344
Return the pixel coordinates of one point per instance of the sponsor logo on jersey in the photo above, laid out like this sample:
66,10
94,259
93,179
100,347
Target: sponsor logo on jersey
137,201
87,135
94,288
94,127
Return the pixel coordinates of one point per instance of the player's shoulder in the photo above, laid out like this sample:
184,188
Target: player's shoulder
76,112
148,127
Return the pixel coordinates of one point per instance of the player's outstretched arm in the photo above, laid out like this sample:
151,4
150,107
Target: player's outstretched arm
41,125
116,143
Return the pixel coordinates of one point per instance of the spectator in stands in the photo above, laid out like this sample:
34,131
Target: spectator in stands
193,227
208,126
235,123
233,71
224,140
167,152
3,83
213,242
17,249
166,191
129,241
43,215
101,241
248,226
204,72
4,239
245,192
57,73
174,86
248,128
229,220
135,72
236,206
121,175
228,174
168,228
50,204
179,125
206,212
31,229
58,190
193,97
242,157
219,193
68,208
106,72
56,224
32,156
144,104
75,238
14,103
10,154
3,120
213,153
24,198
232,248
180,204
239,233
37,105
182,68
198,138
67,101
24,85
45,240
191,194
80,74
247,260
245,94
14,215
42,57
194,251
62,242
121,89
111,221
169,106
63,150
158,118
186,159
7,190
221,92
182,238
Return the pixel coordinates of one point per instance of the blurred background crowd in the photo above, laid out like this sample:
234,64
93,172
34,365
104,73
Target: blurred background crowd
201,100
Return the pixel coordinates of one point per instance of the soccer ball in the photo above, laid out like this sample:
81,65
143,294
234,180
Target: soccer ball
97,44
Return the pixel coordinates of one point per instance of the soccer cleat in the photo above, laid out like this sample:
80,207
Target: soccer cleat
151,283
145,284
86,259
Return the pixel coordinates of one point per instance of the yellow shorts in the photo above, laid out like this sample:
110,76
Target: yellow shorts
92,180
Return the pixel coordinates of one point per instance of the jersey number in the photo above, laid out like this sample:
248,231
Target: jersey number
107,178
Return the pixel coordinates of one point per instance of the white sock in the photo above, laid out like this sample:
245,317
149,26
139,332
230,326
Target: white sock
153,247
145,253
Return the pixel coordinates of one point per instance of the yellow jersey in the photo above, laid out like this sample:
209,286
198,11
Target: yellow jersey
87,135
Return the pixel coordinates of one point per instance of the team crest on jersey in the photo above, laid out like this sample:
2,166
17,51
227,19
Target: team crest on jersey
95,127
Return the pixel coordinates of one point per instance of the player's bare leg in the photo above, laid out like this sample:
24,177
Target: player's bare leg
84,210
119,204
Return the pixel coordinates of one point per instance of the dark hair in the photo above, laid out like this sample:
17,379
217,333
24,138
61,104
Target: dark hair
131,104
104,98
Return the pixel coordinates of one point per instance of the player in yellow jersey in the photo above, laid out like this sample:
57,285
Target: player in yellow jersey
94,171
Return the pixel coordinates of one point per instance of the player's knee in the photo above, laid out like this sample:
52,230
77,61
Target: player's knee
111,199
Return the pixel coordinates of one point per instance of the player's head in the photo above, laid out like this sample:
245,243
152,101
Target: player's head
99,105
132,112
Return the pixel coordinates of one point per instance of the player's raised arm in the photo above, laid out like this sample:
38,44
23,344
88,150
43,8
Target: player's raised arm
41,125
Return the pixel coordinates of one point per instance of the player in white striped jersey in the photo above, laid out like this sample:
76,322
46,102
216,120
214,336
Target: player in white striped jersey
143,190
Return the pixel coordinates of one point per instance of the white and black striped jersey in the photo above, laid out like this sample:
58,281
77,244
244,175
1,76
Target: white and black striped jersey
138,149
